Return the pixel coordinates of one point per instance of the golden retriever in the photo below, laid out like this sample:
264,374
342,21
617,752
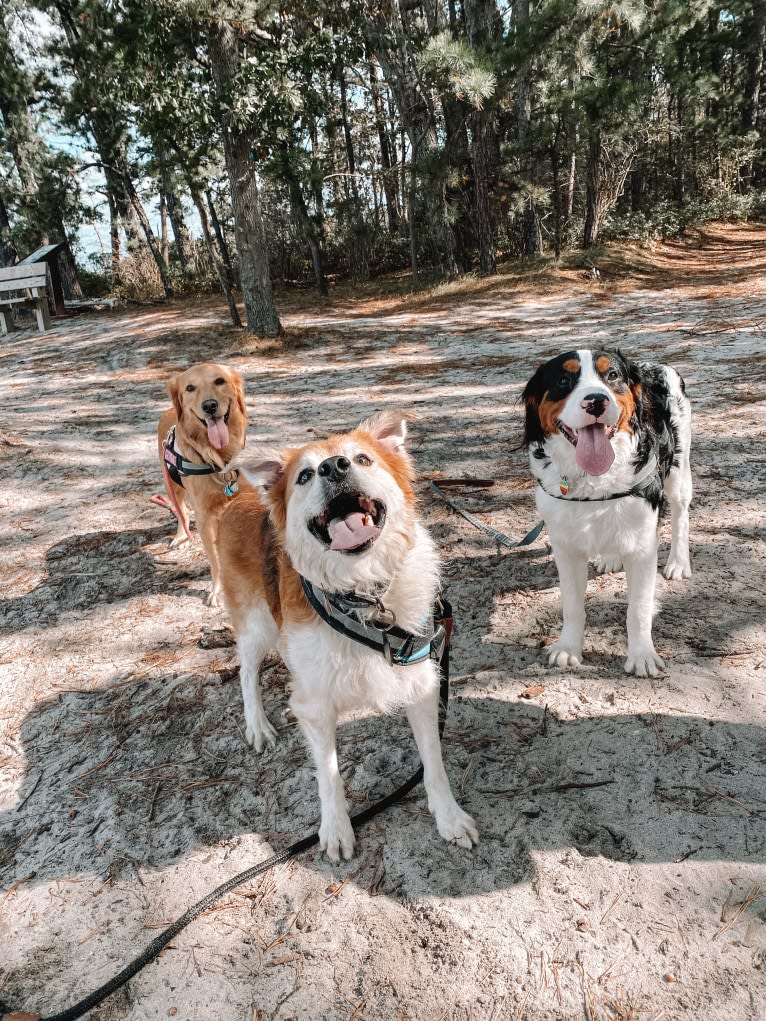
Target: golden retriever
197,438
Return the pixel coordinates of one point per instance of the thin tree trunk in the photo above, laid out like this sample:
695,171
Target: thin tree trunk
222,272
220,237
151,241
114,239
164,245
8,253
388,174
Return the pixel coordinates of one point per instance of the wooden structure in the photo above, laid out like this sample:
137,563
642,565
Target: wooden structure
24,286
50,256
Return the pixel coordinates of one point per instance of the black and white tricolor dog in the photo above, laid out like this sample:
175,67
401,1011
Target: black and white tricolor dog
607,439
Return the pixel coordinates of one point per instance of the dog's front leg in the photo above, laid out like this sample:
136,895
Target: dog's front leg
678,489
208,531
573,579
336,834
259,634
641,575
451,821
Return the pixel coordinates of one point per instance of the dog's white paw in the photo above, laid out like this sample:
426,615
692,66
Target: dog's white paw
457,826
607,565
564,656
336,836
678,568
179,540
644,662
259,732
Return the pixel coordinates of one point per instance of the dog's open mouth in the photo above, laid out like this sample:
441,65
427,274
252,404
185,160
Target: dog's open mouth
350,523
593,447
217,430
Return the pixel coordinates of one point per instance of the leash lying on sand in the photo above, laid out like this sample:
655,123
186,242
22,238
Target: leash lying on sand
499,537
440,641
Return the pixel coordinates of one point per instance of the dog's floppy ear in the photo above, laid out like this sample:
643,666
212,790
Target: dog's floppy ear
642,415
262,467
389,428
530,398
239,390
175,396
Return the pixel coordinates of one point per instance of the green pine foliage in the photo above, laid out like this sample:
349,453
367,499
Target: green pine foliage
432,137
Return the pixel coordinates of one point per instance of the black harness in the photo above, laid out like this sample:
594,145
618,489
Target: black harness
638,491
366,620
178,467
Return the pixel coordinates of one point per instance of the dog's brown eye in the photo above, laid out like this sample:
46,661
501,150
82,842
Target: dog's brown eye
220,381
613,375
305,476
362,459
190,388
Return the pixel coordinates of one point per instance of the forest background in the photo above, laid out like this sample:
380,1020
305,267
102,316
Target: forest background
305,143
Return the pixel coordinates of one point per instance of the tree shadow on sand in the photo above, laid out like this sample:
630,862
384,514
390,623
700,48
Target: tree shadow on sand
146,772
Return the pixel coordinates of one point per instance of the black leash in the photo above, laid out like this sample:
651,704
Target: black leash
487,529
443,620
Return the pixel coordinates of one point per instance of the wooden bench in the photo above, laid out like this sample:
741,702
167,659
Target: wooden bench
24,286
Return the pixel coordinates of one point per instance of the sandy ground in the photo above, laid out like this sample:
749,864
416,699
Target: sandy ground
621,872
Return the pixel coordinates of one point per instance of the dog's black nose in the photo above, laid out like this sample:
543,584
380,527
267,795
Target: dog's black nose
594,404
210,407
334,468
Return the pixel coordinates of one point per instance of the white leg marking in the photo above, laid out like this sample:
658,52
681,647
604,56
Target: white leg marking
573,578
641,574
678,489
258,637
336,834
451,821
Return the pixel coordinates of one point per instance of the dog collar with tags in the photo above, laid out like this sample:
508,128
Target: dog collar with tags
178,466
376,628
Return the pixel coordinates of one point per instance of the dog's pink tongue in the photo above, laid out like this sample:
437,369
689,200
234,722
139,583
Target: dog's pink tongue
218,433
594,452
351,531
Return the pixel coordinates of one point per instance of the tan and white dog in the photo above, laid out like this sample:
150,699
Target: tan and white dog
339,513
197,438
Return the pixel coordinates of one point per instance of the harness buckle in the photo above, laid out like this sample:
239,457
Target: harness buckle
384,618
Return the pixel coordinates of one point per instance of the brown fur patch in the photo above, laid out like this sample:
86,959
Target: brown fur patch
549,414
571,365
627,407
602,364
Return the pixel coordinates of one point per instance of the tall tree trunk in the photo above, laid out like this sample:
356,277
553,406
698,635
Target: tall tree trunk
756,42
260,310
388,174
481,23
531,239
592,219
